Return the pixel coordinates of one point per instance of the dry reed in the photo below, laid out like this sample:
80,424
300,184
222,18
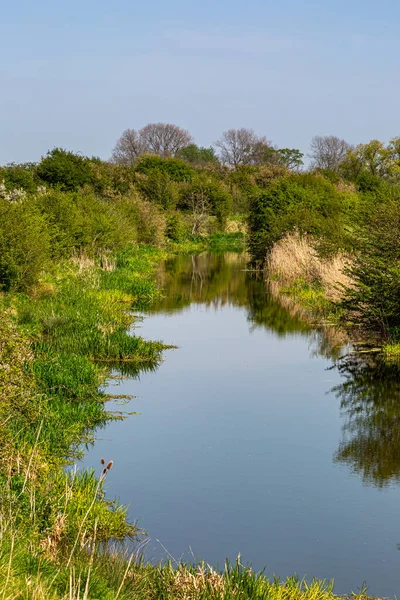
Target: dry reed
294,258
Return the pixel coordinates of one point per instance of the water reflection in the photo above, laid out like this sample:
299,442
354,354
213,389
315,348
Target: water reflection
370,403
370,393
218,280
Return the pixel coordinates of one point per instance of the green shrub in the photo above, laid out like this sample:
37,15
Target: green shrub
146,218
24,244
306,202
176,169
65,170
84,223
176,229
109,179
21,176
373,301
157,187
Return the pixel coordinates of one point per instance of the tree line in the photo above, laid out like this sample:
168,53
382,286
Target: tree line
159,185
236,147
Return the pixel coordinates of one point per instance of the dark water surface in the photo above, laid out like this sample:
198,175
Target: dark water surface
256,437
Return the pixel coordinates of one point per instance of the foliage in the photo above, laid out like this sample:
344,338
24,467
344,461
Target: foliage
305,202
158,188
24,244
84,223
176,169
20,176
373,301
176,227
197,155
64,169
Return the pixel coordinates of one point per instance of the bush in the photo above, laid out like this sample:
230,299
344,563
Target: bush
176,228
24,244
84,223
147,219
20,177
157,187
373,301
176,169
109,179
305,202
65,170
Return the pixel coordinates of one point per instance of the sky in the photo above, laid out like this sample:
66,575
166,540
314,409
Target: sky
76,74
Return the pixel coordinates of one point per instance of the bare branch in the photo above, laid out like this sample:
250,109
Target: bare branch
328,152
164,139
128,148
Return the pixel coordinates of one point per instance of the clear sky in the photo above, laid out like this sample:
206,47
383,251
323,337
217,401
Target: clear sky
76,74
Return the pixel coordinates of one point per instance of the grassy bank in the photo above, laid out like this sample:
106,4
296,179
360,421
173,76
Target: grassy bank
58,344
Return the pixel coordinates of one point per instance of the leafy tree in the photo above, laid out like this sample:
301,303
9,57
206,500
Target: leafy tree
197,155
206,195
373,158
291,158
157,186
65,170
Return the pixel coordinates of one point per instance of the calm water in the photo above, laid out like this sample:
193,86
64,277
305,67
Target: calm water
254,436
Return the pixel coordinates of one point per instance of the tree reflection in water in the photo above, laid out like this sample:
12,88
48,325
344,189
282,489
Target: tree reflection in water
370,393
370,402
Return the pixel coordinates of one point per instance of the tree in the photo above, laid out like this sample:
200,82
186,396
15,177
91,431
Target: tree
128,148
328,152
243,147
291,158
197,155
164,139
373,158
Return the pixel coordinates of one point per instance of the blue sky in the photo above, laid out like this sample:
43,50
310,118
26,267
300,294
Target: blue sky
76,74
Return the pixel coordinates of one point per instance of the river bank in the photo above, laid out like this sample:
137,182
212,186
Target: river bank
64,338
313,288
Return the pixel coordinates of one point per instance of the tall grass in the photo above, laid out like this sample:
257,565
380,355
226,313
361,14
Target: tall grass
294,258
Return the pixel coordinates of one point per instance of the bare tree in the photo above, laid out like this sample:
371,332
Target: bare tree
199,205
327,152
244,147
129,146
155,138
164,139
237,146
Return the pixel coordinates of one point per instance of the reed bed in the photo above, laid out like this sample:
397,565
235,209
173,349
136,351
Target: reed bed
294,259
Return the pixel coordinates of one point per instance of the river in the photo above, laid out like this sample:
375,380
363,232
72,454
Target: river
257,436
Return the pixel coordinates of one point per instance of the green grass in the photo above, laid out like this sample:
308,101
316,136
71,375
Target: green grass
116,575
312,298
391,352
58,345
